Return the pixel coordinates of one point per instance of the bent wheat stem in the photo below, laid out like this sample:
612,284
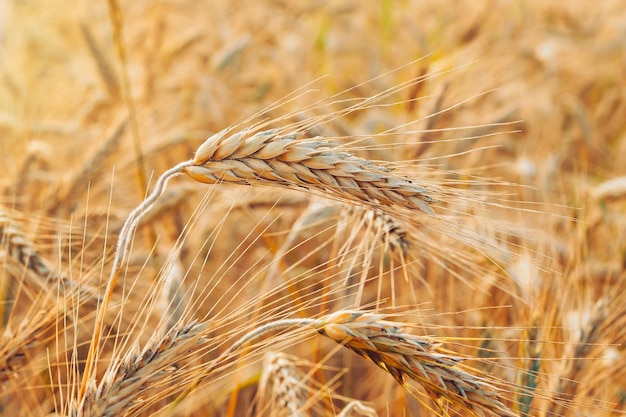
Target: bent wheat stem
121,251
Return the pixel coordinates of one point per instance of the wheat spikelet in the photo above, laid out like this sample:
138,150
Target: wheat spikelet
17,344
386,228
286,390
406,356
272,158
589,333
18,247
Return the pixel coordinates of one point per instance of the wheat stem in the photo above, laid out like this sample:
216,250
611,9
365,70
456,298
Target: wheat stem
121,251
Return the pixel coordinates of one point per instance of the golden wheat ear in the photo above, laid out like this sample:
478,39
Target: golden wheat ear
285,160
409,357
406,357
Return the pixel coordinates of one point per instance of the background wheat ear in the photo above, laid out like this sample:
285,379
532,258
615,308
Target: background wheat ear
288,387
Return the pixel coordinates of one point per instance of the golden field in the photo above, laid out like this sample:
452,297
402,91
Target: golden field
416,208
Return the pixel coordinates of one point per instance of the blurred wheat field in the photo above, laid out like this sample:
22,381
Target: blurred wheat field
418,208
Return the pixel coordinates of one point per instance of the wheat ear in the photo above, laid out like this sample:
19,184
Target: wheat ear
357,408
268,157
18,247
403,355
286,160
282,387
126,383
15,246
286,390
406,356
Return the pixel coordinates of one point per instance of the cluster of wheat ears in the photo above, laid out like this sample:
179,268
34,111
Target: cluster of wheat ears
375,252
117,376
252,156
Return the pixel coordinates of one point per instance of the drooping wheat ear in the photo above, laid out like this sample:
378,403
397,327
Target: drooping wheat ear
590,328
127,383
403,355
406,356
286,160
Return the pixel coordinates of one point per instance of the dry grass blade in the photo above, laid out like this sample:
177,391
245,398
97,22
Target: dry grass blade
272,158
406,356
